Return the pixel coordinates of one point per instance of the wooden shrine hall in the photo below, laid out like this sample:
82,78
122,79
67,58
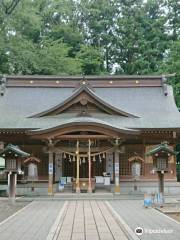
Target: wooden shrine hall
88,132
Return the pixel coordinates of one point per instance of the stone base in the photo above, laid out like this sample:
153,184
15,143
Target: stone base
126,187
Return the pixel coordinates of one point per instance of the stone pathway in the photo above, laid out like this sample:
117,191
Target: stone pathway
31,223
88,220
135,215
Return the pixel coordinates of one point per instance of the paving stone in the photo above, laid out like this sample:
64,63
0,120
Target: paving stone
33,222
105,236
78,236
92,237
81,220
135,215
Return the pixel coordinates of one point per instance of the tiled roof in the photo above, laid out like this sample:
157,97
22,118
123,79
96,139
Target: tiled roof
150,104
163,147
15,149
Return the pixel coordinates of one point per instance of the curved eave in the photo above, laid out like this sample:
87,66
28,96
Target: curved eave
15,150
93,95
159,149
77,123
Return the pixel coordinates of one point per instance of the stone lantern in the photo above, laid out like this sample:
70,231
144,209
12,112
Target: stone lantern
13,156
161,155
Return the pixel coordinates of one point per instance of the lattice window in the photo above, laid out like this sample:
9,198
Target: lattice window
11,164
161,164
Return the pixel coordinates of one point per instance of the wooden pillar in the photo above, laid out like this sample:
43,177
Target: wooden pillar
89,161
1,145
161,182
50,172
116,167
77,169
12,181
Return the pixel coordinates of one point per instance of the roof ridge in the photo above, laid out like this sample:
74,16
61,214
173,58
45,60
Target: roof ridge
89,77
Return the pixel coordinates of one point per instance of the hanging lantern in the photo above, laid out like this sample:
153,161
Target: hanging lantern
69,158
64,155
94,158
74,159
104,155
84,160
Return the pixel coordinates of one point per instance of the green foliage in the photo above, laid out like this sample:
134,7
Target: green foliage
91,37
19,59
91,59
53,59
172,65
142,38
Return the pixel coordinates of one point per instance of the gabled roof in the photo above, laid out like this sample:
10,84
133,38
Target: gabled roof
32,159
137,102
83,89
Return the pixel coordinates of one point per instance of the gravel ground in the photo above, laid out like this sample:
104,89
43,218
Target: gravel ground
7,209
175,216
172,210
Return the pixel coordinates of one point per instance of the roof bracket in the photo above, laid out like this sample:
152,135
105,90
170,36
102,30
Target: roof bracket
2,85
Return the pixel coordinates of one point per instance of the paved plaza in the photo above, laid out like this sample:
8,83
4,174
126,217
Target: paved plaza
149,219
31,223
87,220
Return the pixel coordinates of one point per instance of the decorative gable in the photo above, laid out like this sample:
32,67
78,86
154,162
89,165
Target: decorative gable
84,102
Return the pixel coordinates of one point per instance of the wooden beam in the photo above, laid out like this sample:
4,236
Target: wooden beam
81,149
69,137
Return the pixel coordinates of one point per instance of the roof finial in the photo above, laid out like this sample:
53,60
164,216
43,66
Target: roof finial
83,80
2,85
164,79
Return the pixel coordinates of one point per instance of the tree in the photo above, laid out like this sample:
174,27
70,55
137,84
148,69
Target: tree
91,60
173,17
141,37
53,59
27,47
128,36
172,65
90,37
97,22
8,6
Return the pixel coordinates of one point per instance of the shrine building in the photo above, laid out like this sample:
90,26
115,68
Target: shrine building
88,133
